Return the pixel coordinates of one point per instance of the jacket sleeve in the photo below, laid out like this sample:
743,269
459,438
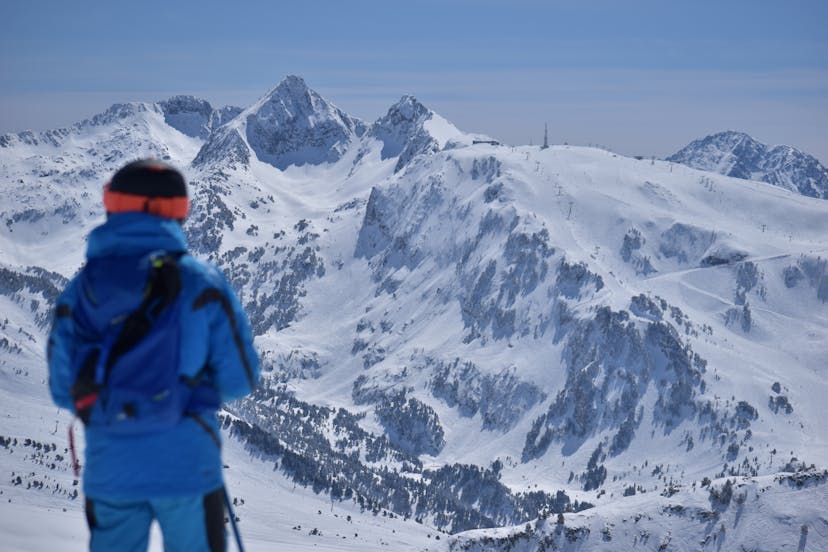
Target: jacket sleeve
231,356
59,350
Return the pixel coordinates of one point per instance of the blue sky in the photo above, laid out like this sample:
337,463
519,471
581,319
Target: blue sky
637,76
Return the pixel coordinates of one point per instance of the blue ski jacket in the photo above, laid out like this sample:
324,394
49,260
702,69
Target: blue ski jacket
216,349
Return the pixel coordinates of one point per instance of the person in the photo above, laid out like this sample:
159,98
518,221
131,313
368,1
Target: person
171,473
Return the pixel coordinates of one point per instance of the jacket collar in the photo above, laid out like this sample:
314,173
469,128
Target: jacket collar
135,233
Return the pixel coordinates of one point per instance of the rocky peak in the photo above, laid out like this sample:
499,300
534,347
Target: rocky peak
409,129
291,86
185,104
403,122
732,139
293,125
195,117
119,112
738,155
189,115
292,105
409,109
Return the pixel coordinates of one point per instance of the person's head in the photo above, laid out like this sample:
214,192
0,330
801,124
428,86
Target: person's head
150,186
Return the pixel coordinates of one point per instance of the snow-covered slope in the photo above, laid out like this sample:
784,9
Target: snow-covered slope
737,154
457,336
782,512
52,182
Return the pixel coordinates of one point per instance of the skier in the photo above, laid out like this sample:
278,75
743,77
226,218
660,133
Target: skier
141,309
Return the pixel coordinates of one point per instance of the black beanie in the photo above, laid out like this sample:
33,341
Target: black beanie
147,185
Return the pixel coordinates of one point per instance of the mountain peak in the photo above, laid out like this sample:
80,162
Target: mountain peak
291,125
731,134
293,83
410,108
119,112
409,129
739,155
195,117
185,102
292,99
733,138
293,93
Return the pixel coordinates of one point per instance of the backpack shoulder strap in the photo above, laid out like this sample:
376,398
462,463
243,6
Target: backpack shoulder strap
163,288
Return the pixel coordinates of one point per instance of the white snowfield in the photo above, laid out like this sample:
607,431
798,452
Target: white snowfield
649,338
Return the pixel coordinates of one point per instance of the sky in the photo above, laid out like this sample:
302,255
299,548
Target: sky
640,77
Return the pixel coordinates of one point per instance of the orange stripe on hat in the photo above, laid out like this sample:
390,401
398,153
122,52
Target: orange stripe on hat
170,207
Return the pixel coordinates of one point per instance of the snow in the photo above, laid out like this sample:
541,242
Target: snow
739,155
761,515
278,513
413,297
441,130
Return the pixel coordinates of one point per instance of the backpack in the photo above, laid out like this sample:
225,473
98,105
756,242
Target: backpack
128,339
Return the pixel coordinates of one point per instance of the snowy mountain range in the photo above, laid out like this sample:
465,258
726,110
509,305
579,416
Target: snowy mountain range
738,155
455,337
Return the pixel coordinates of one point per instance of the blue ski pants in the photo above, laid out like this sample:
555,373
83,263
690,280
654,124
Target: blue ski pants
188,524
